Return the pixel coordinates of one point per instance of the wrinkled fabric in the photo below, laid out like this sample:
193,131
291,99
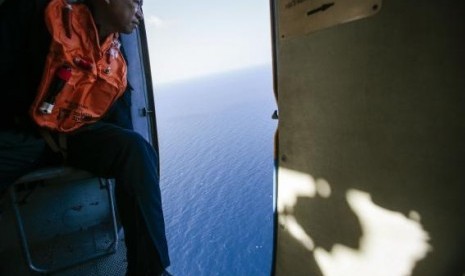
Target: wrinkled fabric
97,71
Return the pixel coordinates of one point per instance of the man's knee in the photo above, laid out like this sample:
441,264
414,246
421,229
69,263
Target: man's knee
136,153
108,150
135,143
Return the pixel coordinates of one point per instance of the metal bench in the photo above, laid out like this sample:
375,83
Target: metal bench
47,174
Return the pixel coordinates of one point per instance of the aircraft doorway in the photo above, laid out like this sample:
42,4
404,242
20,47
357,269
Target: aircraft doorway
213,90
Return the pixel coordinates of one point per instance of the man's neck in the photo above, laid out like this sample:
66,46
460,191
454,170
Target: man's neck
102,33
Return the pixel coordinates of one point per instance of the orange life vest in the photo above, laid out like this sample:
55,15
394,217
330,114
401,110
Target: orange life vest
82,78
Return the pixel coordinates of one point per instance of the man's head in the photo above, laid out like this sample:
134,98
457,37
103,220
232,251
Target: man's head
120,16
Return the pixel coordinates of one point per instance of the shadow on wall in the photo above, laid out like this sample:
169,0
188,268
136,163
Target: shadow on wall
350,234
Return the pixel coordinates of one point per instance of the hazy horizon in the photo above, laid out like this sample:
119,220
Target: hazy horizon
188,40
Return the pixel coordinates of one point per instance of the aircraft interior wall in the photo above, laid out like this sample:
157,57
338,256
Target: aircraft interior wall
371,144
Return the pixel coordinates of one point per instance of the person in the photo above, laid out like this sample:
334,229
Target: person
107,148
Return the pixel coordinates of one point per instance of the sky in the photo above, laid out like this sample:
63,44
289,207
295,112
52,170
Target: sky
189,39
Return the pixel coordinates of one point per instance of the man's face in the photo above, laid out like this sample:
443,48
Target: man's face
126,14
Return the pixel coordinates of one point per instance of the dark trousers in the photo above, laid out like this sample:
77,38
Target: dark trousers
112,152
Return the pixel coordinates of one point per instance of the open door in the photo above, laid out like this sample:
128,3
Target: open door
371,137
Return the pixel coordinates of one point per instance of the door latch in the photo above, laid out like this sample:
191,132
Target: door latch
144,111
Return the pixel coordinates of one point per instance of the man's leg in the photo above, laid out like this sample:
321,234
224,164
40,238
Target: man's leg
21,152
114,152
141,252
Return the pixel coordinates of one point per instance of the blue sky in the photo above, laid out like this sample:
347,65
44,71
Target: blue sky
188,39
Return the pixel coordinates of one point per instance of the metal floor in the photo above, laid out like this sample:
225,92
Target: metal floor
63,223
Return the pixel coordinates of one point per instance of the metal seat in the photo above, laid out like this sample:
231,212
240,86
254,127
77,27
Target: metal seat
51,174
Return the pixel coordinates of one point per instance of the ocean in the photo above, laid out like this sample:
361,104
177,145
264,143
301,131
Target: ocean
216,140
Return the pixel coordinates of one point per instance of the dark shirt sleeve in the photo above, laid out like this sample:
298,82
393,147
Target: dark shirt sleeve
120,113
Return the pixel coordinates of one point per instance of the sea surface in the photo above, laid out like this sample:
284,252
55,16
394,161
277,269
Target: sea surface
216,140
